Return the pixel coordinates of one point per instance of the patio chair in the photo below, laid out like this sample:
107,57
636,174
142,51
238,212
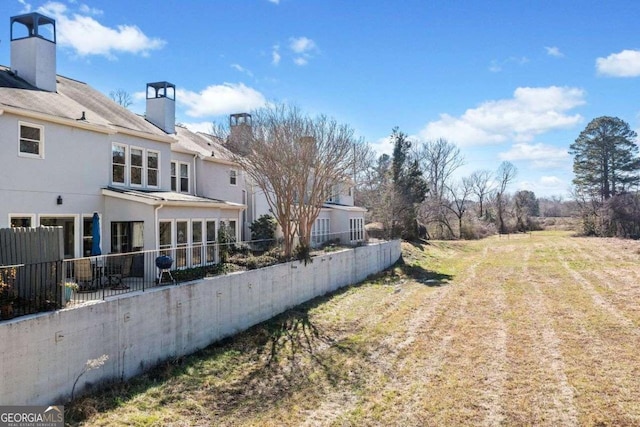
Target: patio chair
83,272
118,269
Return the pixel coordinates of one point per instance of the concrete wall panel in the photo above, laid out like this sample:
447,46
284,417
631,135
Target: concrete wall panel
43,355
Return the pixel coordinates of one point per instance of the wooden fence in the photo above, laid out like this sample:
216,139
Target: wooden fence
31,270
30,245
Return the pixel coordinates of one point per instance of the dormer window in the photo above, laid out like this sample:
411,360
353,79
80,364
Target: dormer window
31,141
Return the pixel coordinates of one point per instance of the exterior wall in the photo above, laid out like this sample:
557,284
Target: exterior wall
76,166
117,210
48,351
213,182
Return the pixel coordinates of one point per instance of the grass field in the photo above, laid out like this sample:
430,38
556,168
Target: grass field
538,329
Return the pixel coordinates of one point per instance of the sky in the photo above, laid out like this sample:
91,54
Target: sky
503,80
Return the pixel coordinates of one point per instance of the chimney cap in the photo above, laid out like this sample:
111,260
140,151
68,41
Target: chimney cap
33,21
161,90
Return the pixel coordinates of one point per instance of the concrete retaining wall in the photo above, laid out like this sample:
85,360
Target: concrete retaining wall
42,355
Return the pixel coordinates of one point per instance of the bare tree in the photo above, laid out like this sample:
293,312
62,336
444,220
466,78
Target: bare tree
504,176
438,160
481,187
459,193
295,160
122,97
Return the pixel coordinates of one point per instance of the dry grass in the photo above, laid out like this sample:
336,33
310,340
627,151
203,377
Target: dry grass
538,329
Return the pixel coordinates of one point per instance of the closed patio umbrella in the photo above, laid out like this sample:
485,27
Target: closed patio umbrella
95,234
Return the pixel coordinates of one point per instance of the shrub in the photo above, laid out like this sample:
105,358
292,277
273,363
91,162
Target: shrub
263,230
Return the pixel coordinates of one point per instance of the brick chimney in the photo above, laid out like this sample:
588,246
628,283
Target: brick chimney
33,49
161,105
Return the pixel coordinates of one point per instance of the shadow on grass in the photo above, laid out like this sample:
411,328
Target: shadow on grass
418,273
243,374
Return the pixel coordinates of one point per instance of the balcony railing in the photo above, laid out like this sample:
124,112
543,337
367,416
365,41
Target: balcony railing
37,287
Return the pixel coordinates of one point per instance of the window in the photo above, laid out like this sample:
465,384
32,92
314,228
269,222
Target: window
196,242
184,178
68,232
118,163
152,168
31,142
211,241
180,177
87,235
21,221
174,166
356,228
182,240
165,233
233,177
320,231
136,166
232,229
127,236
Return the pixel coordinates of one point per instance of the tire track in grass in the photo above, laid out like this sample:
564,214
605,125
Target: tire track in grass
560,394
600,351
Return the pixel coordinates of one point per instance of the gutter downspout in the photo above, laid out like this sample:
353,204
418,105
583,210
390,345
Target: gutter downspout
157,225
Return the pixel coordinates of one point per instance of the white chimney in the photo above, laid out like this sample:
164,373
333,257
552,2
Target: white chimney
161,105
33,50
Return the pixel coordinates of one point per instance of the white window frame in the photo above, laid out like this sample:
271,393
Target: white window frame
174,176
233,177
142,166
32,218
179,177
208,243
40,154
356,229
147,169
182,246
126,163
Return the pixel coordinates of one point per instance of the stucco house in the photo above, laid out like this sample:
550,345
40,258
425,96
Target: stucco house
69,151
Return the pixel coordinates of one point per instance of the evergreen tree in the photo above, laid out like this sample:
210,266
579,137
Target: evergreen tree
606,159
409,188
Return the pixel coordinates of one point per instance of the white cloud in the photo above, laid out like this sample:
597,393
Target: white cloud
301,44
623,64
275,55
204,127
554,51
300,61
531,111
546,186
496,66
243,70
86,36
26,7
304,48
221,99
90,10
541,155
274,1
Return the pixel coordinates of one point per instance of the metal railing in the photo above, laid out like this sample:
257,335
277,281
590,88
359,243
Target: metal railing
46,286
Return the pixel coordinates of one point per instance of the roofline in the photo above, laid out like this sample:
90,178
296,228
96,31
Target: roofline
108,130
152,201
177,148
345,208
170,139
105,129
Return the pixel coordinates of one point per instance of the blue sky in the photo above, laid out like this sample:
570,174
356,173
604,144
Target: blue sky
504,80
